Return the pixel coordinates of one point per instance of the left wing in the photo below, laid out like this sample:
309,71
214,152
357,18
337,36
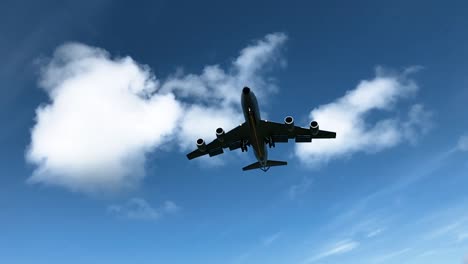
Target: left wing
281,132
232,139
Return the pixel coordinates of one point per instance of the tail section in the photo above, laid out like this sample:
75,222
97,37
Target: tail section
269,163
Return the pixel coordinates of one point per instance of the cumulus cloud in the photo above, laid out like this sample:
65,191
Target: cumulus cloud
216,91
103,117
339,248
140,209
350,117
106,114
215,85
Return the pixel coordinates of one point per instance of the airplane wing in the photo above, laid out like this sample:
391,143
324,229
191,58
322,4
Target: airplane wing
281,132
232,139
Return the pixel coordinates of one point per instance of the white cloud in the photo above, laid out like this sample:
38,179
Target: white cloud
463,143
217,92
465,260
349,115
100,122
138,208
105,114
418,123
339,248
201,121
215,85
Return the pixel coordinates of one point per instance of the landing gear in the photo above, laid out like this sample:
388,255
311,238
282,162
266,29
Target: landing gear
244,146
271,143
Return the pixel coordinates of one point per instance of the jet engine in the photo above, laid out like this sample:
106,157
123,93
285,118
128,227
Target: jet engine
201,145
289,122
220,134
314,127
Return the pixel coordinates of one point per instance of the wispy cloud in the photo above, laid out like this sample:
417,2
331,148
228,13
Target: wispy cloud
375,232
453,229
347,116
106,114
339,248
444,230
140,209
300,188
462,237
270,239
427,253
390,255
258,246
462,144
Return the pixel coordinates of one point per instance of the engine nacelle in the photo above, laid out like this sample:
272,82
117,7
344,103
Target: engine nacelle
201,145
220,134
289,122
314,127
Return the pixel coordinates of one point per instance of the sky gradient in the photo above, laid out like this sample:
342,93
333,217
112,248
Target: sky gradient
101,100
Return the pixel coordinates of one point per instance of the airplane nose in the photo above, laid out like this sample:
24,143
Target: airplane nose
246,90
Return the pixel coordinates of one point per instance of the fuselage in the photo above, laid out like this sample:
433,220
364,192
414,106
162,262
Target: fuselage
252,120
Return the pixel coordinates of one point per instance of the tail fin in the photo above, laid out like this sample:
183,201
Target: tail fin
269,163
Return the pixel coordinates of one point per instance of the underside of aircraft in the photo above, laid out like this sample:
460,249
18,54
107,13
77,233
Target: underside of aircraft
258,133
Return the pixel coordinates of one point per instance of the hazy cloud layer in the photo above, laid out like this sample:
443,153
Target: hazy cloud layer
105,114
138,208
349,117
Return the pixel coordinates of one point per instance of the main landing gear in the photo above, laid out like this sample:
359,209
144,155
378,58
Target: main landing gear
271,143
244,146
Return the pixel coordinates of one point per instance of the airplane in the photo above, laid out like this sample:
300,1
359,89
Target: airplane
258,133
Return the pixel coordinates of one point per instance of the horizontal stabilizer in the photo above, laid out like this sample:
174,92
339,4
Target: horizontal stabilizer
252,166
269,163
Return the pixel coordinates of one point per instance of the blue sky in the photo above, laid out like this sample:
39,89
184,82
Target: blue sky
101,100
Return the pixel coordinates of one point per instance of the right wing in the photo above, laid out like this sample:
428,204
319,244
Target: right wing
281,133
233,139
